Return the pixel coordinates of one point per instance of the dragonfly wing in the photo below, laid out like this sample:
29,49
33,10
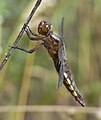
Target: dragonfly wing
61,77
61,55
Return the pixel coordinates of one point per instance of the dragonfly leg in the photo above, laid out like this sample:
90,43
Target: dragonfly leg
34,37
28,51
34,34
27,28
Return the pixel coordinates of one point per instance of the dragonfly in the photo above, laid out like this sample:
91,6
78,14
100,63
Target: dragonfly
55,46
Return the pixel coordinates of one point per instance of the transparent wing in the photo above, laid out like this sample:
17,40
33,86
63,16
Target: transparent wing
61,77
61,55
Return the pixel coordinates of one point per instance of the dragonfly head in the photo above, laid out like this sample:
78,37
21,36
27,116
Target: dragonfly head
44,27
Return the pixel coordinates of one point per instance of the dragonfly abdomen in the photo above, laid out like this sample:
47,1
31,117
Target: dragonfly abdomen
71,86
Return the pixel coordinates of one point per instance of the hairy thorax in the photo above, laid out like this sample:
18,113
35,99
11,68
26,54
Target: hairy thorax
52,45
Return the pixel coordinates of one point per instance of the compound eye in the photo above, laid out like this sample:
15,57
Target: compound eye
47,26
44,27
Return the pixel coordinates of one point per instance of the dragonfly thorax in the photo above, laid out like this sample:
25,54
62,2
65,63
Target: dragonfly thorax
44,27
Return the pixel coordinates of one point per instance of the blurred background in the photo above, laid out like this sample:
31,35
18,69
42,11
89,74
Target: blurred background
32,79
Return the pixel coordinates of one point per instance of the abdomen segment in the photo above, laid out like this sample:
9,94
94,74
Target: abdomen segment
71,86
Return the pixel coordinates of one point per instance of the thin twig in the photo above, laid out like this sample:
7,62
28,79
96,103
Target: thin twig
20,34
50,108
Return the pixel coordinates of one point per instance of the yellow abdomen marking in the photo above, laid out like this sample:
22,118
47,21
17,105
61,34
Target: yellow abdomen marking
68,80
71,88
74,93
